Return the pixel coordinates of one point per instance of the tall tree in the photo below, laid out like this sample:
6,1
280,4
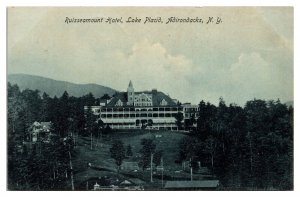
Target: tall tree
210,147
89,99
148,148
179,119
157,157
129,151
117,152
91,124
45,108
64,114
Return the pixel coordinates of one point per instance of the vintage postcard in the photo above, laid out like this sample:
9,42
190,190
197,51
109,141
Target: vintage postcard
150,98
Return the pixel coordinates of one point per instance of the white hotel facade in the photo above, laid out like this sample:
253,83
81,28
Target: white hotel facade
147,109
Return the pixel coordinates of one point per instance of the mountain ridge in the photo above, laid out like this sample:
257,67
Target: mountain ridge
55,87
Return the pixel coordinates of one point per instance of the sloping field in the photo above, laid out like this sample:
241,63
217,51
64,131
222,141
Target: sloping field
103,165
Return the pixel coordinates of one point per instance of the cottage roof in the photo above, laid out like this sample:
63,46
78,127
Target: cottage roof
40,127
192,184
126,182
137,181
46,125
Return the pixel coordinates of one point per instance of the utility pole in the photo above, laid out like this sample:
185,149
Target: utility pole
91,141
191,169
101,138
71,167
74,138
162,173
97,139
151,167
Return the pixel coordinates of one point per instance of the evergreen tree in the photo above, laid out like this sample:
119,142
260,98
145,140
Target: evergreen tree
117,152
179,119
148,148
129,151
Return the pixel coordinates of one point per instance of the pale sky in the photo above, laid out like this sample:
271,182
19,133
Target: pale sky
249,55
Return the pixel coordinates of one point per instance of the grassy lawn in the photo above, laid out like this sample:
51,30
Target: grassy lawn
103,165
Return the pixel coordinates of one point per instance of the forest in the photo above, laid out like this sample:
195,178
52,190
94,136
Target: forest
247,148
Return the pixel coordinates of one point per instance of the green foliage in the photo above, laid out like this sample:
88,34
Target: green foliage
129,151
157,157
91,124
40,165
150,122
144,123
105,96
179,119
250,147
89,99
117,152
148,148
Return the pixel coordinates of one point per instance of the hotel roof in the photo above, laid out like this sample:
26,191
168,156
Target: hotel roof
157,97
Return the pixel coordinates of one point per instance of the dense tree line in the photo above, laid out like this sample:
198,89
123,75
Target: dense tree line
248,147
44,166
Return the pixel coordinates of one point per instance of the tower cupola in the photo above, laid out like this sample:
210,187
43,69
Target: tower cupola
130,94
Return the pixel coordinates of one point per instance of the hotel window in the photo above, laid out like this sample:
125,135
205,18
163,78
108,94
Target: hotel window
163,102
119,103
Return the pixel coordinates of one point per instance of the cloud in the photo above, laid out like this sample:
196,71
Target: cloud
151,65
254,77
250,76
250,65
249,55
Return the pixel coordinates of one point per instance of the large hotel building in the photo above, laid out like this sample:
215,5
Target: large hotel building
147,109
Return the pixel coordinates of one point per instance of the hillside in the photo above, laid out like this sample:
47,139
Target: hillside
55,87
103,165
